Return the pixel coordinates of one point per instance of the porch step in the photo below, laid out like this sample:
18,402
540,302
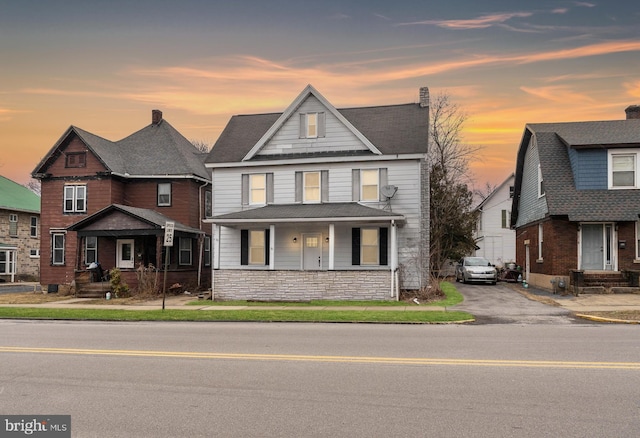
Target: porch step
604,283
92,290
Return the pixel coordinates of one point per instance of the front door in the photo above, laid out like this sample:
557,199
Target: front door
597,247
311,252
125,251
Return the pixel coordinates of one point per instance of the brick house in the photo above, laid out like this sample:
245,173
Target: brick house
19,232
576,209
107,202
321,203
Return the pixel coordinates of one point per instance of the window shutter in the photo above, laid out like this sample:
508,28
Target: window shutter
298,188
266,246
244,247
245,189
303,126
355,246
269,188
383,181
324,185
321,124
355,185
383,246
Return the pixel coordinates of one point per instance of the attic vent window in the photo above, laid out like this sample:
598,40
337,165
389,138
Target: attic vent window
76,159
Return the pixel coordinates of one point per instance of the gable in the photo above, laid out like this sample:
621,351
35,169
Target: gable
74,158
116,221
334,137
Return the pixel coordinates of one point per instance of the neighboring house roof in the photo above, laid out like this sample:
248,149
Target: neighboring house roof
337,211
156,150
493,193
15,197
152,218
387,130
563,199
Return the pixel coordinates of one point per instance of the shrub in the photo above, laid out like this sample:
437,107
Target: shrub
118,285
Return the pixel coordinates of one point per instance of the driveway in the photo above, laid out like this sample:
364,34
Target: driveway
502,304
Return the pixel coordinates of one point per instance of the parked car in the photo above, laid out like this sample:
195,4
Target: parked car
476,269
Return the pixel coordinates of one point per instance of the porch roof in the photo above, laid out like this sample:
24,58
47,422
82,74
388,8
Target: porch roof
149,219
291,213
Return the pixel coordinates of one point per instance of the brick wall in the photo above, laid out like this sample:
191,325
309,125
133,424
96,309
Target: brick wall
27,268
236,284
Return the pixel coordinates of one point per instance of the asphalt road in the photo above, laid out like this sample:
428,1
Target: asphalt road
319,380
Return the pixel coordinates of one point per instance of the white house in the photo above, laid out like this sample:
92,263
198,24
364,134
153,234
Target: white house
321,203
495,239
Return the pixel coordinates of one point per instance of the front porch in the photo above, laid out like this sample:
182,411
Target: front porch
604,282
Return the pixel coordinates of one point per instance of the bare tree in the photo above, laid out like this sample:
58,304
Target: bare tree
452,219
34,186
201,145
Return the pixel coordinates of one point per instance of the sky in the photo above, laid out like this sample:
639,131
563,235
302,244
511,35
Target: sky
104,65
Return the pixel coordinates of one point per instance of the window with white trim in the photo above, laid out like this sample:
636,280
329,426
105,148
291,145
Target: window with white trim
622,169
540,183
164,194
638,240
311,189
207,251
75,199
258,188
57,248
90,249
369,246
184,258
34,253
13,225
540,240
33,226
505,218
369,184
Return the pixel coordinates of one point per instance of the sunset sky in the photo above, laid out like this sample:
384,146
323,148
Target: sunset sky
104,65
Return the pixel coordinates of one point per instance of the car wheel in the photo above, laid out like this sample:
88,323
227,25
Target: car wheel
493,283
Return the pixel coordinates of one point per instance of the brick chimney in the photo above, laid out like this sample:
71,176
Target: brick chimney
424,97
633,112
156,117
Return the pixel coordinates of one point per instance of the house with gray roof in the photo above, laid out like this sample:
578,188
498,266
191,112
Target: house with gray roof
107,202
576,205
19,232
318,202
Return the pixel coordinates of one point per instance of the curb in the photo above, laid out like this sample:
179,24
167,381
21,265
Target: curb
602,319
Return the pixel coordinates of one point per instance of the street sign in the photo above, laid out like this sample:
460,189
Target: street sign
168,233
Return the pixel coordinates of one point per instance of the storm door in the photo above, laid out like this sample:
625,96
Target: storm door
125,254
597,247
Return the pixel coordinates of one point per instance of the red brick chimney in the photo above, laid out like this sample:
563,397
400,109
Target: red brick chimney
156,117
633,112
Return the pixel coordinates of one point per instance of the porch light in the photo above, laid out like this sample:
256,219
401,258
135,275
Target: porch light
295,239
326,239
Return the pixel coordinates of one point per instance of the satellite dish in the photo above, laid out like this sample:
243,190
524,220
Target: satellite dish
389,191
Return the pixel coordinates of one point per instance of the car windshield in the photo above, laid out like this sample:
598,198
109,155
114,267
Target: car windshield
476,261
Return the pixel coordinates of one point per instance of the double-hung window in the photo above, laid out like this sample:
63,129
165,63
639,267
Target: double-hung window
185,251
254,247
540,240
369,246
311,191
33,226
369,184
164,194
207,250
13,225
90,249
75,199
257,188
623,165
57,248
312,125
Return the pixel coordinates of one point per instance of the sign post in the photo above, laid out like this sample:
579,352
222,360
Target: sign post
169,228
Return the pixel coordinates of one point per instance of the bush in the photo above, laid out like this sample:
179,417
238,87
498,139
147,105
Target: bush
118,285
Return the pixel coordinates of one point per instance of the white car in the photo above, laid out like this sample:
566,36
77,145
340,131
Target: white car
476,269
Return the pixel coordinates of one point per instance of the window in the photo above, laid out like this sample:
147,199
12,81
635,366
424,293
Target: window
257,188
75,199
638,240
540,183
369,246
540,240
76,159
207,251
505,218
164,195
34,253
33,228
254,247
311,186
13,225
623,171
369,185
57,249
312,125
90,249
512,190
184,257
208,204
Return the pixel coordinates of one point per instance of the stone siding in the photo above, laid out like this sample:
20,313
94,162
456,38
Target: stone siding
236,284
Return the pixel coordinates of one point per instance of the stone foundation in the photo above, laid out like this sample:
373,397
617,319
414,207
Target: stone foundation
235,284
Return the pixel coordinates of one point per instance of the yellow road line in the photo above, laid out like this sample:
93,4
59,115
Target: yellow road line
337,359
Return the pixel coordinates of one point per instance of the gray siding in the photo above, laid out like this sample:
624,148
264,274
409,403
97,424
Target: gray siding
531,207
589,168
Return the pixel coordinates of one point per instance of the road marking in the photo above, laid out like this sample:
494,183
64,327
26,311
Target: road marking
337,359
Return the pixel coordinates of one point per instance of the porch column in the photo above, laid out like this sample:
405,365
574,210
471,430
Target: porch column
332,240
272,247
395,287
215,235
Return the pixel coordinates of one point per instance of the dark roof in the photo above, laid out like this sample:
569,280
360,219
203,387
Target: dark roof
153,218
335,211
393,129
563,199
156,150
